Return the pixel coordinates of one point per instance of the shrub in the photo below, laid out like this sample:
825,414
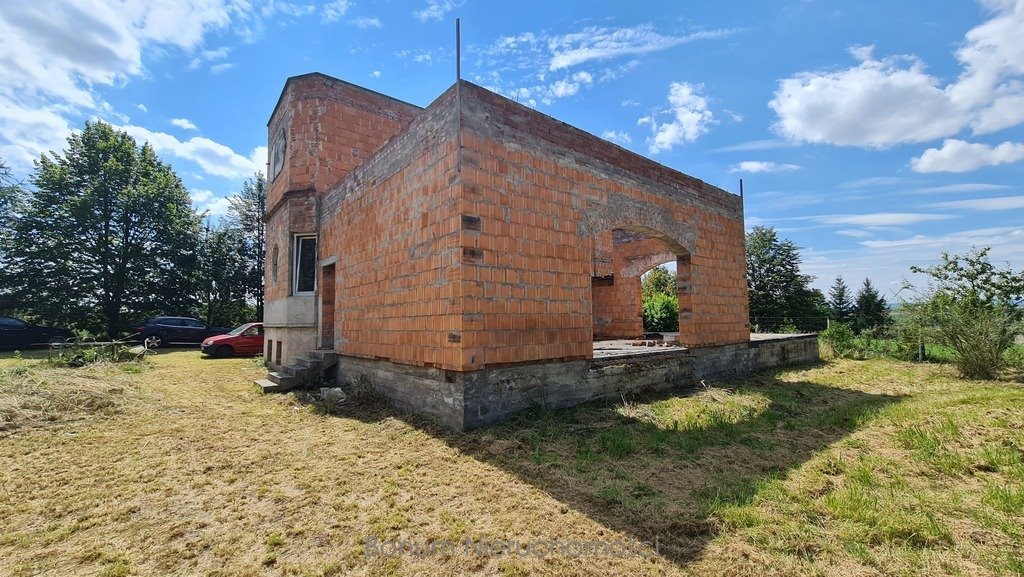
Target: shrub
978,333
838,337
661,313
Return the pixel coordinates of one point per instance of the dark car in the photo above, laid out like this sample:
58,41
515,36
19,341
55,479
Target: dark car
244,340
18,334
163,331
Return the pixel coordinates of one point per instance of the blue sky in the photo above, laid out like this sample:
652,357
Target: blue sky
874,134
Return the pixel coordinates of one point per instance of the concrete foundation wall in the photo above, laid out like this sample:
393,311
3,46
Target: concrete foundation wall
471,399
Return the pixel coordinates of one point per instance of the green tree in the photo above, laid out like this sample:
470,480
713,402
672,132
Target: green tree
108,235
661,313
840,303
246,216
974,309
658,280
871,310
223,273
10,200
779,293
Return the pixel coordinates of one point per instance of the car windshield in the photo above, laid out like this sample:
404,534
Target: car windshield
239,330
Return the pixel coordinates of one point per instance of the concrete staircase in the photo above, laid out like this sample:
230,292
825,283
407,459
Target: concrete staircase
304,370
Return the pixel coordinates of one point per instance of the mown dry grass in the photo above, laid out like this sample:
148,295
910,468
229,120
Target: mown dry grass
849,468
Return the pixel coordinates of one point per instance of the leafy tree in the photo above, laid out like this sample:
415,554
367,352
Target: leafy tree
974,309
871,310
778,291
658,280
107,236
840,303
973,275
10,197
661,313
223,275
246,216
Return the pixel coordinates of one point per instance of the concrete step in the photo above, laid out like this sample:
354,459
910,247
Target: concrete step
327,358
284,379
309,362
271,387
296,371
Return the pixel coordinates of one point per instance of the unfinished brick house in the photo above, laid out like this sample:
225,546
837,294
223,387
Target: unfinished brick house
462,258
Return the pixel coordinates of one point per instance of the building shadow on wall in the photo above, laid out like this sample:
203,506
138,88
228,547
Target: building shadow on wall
664,466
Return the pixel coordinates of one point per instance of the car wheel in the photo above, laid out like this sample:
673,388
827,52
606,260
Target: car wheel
155,341
225,351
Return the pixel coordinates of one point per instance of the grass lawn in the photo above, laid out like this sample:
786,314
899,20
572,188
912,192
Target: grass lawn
179,466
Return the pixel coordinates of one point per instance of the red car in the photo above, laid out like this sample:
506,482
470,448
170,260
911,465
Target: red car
244,340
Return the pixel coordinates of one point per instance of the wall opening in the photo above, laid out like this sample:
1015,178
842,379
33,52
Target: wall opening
621,257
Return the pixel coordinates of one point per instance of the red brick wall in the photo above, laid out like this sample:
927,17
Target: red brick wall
331,127
546,193
394,226
295,214
618,312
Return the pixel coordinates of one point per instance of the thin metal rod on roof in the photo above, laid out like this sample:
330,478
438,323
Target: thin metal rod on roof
458,51
741,188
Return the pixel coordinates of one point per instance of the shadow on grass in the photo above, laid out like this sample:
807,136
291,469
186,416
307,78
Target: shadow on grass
634,468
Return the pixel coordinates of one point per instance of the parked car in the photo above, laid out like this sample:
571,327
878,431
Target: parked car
163,331
18,334
244,340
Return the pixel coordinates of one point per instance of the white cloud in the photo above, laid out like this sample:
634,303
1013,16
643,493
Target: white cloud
959,156
30,131
755,166
630,103
886,101
206,201
259,157
375,74
690,118
1004,112
854,232
332,11
948,242
620,137
214,158
222,67
993,203
876,218
435,10
142,107
54,55
873,182
876,104
964,187
609,74
208,56
571,86
368,23
753,145
597,43
184,123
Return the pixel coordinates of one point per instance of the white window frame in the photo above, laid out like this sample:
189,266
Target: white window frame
296,258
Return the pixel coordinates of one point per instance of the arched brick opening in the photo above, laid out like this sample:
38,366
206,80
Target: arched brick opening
621,256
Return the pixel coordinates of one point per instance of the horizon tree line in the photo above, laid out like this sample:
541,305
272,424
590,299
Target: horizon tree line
105,235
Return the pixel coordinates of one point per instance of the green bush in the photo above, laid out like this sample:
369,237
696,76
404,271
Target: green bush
1014,356
661,313
979,333
839,339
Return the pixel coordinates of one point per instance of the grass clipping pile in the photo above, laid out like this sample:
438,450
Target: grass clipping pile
39,395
